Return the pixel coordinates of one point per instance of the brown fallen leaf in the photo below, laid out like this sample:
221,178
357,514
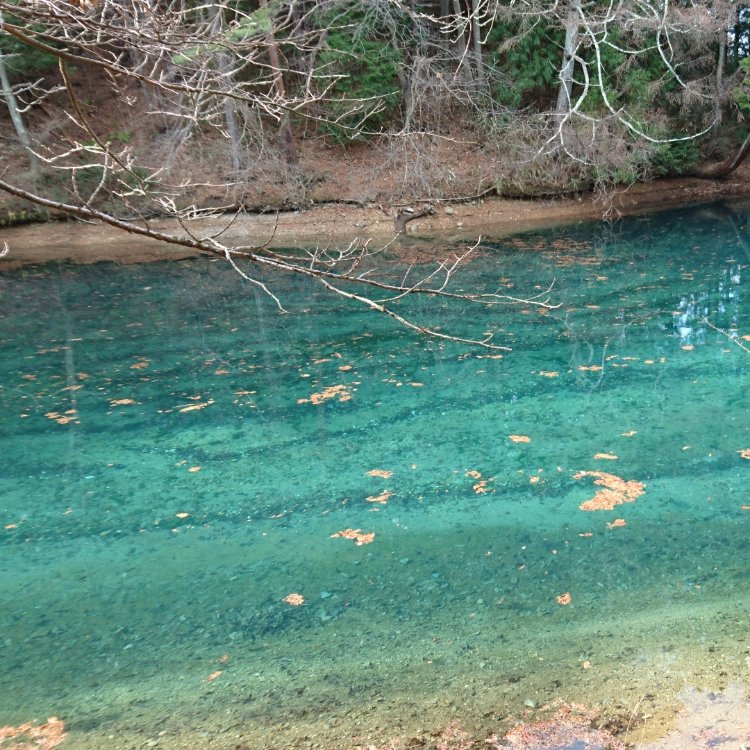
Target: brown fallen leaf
196,407
519,438
358,536
295,600
564,599
213,675
607,456
616,523
616,490
30,735
384,473
333,391
381,498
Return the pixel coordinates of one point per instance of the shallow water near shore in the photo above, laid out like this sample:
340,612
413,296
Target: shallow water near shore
180,460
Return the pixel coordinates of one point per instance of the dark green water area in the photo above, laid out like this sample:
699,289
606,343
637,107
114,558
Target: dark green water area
178,459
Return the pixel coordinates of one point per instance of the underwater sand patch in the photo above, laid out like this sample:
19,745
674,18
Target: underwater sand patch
616,490
709,721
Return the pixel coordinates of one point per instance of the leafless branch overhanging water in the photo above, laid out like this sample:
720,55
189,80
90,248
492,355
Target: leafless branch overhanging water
261,257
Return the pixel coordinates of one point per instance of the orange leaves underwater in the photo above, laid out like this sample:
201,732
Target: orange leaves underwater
519,438
564,599
295,600
381,498
481,487
745,453
616,490
333,391
37,737
384,473
358,536
71,415
196,407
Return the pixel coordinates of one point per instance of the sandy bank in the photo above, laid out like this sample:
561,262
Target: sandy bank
340,224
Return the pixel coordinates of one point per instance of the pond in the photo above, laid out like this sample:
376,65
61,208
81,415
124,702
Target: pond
225,527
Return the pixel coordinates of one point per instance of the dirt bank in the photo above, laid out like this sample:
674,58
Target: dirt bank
342,223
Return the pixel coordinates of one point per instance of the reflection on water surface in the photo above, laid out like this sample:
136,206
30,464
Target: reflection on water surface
225,525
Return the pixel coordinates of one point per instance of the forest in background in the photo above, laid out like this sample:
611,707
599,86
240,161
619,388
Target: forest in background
163,106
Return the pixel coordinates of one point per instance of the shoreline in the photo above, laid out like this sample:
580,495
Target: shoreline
344,223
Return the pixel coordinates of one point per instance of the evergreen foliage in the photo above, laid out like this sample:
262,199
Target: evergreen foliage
362,69
22,60
529,60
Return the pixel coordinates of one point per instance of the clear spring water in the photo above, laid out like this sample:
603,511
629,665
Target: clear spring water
166,481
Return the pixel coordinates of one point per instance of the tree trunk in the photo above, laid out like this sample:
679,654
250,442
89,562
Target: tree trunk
285,127
721,65
564,93
464,70
409,214
725,168
230,118
17,120
476,33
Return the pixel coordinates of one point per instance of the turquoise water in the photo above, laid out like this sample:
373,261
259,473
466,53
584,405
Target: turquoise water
168,480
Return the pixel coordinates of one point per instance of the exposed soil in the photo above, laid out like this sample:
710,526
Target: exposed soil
344,193
342,223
